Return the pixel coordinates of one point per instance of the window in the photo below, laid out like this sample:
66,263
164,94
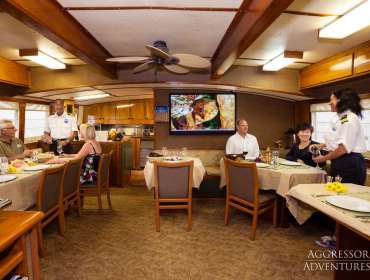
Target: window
321,116
10,111
35,118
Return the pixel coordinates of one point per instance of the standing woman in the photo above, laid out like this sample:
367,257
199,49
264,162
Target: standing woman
346,141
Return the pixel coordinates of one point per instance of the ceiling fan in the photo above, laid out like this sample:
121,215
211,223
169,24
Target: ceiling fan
161,59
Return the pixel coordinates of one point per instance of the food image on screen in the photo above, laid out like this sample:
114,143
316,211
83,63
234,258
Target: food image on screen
202,112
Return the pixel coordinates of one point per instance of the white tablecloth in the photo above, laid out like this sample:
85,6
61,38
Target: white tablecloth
21,191
198,173
303,200
282,178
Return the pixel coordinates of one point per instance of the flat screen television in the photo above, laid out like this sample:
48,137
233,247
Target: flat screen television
202,113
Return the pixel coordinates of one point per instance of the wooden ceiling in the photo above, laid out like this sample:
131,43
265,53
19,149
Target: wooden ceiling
231,32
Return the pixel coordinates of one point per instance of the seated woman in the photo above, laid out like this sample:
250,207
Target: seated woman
300,150
90,153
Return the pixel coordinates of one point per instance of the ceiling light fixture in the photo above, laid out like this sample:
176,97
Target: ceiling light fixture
351,22
125,106
41,58
94,96
282,60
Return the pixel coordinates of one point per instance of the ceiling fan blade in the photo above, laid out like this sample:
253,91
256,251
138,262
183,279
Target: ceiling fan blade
128,59
144,67
192,61
176,69
157,52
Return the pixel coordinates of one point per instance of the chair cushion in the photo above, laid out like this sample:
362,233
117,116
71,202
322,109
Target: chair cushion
213,170
266,195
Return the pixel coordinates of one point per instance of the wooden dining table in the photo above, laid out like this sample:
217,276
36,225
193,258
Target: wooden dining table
198,172
22,190
282,177
352,229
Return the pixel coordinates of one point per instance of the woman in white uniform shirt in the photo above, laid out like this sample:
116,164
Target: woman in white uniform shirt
241,141
345,140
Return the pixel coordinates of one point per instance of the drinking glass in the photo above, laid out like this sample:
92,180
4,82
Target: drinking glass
275,157
164,151
3,165
245,154
59,148
329,179
184,152
338,179
315,153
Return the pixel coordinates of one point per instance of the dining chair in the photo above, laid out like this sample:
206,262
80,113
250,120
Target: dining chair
49,199
102,183
173,182
71,185
243,193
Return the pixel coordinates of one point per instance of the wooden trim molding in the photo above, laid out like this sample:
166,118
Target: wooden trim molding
50,19
14,73
168,8
251,20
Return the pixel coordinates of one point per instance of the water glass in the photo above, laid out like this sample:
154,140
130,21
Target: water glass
329,179
338,179
164,151
184,152
3,165
275,157
59,148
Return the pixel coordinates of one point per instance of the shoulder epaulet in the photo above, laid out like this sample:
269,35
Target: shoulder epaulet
344,119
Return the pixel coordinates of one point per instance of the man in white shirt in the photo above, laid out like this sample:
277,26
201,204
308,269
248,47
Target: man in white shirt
241,141
60,130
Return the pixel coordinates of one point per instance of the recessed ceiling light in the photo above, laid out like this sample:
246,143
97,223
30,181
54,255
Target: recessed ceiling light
41,58
351,22
282,60
94,96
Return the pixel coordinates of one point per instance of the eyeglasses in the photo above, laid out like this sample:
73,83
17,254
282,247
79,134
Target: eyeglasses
10,128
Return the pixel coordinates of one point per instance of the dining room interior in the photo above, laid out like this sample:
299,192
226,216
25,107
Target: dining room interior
224,139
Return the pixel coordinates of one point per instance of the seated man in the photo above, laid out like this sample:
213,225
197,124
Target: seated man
11,147
241,141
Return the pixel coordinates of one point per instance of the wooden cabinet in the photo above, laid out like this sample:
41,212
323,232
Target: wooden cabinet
361,61
345,65
331,69
149,109
142,112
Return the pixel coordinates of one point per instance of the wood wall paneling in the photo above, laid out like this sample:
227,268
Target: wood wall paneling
328,70
14,73
361,61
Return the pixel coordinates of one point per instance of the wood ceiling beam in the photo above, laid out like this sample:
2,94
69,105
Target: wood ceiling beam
50,19
112,8
251,20
14,73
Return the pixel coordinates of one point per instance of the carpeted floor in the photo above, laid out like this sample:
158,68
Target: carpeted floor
123,244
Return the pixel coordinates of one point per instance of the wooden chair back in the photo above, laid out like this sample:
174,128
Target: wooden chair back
71,180
242,181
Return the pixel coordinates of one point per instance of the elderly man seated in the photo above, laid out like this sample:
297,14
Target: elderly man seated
242,141
11,147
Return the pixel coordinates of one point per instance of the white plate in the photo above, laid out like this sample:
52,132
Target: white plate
290,163
36,167
262,164
350,203
7,177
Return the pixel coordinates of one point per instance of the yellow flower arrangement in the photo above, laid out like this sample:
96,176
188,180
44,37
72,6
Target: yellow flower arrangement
336,187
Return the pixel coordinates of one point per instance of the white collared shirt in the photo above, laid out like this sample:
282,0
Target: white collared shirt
347,131
60,127
236,144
